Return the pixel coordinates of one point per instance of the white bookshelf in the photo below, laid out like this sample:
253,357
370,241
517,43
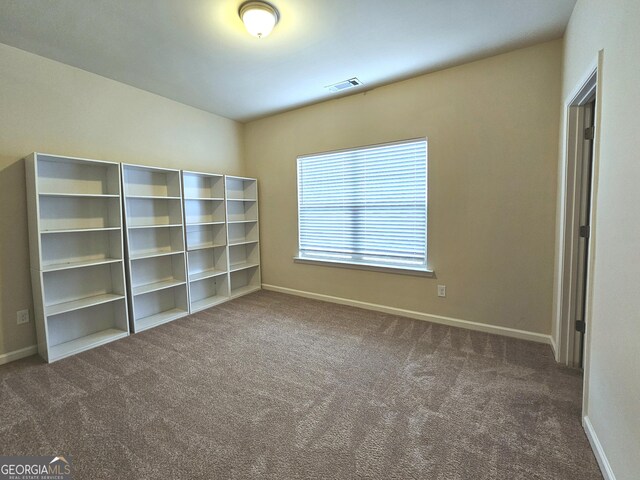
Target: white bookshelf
76,249
206,238
243,235
156,255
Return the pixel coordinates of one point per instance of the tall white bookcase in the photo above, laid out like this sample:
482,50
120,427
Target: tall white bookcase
156,262
206,236
243,236
77,266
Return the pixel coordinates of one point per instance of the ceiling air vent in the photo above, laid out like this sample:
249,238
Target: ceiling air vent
344,85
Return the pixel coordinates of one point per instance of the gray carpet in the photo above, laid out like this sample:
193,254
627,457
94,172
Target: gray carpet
274,386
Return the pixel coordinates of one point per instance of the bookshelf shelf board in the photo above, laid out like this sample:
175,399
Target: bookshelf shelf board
58,308
54,267
81,344
154,287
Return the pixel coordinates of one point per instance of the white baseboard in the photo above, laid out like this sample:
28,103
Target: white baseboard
598,451
453,322
18,354
554,347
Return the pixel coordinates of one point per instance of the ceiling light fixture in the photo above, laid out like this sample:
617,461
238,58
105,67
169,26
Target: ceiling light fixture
259,18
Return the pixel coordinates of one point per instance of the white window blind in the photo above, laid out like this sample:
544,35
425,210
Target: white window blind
365,205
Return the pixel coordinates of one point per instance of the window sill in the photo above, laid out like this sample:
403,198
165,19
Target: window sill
417,272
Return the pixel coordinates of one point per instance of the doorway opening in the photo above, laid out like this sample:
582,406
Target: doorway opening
576,234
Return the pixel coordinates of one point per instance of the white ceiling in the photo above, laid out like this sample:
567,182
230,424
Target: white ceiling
198,53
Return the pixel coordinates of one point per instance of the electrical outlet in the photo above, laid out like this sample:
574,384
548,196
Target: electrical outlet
442,290
23,317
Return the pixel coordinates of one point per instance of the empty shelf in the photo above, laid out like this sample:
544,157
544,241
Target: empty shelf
243,242
152,197
204,246
80,195
208,302
159,318
237,292
85,263
241,200
195,224
242,266
85,343
153,287
142,256
204,198
194,277
243,221
79,230
82,303
136,227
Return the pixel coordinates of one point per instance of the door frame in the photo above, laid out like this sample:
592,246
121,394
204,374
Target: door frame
567,231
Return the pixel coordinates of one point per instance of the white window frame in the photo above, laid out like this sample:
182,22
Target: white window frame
423,271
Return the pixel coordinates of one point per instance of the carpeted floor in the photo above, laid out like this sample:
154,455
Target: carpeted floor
273,386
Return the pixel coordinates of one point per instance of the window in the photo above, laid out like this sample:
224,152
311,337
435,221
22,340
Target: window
365,206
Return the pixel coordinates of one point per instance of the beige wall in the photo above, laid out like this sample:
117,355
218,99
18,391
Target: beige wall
613,381
493,141
50,107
